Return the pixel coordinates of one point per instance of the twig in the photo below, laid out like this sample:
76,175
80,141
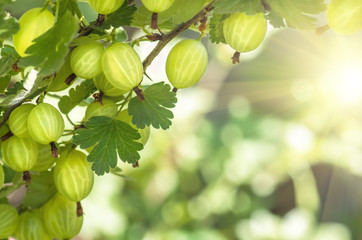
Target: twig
175,32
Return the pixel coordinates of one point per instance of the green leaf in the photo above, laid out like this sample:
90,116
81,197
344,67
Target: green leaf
17,86
8,24
153,110
30,89
70,5
40,190
4,83
180,11
9,50
121,17
231,6
111,136
183,10
51,48
295,13
6,63
216,28
76,95
86,39
120,34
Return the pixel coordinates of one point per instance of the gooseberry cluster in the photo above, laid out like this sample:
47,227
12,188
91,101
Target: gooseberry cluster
31,135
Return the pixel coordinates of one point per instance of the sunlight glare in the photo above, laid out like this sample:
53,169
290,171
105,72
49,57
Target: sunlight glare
343,83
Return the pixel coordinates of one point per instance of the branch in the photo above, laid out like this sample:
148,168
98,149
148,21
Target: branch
175,32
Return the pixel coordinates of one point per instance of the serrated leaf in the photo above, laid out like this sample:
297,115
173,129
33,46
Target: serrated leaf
231,6
6,63
41,189
111,137
180,11
9,50
154,109
121,17
295,13
17,86
56,40
216,28
31,88
70,5
85,39
8,25
76,95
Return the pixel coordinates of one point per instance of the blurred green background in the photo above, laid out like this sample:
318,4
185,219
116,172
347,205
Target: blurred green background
269,149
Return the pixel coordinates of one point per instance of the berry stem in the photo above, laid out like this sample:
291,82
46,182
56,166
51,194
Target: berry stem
100,19
98,97
27,178
54,150
154,24
236,57
70,79
7,136
320,30
79,209
139,93
174,90
136,164
266,5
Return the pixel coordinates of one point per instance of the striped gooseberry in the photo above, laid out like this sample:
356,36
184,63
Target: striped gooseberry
73,176
8,220
186,63
122,66
157,6
103,85
125,117
243,32
61,219
345,16
45,123
18,120
105,6
45,158
85,60
33,23
31,227
108,109
20,153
